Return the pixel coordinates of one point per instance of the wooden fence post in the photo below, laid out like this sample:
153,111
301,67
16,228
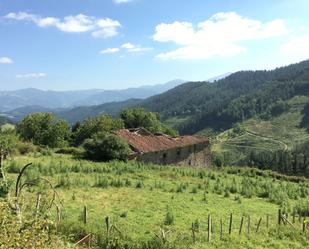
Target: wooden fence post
85,215
241,223
249,226
1,165
293,218
231,222
304,225
58,214
221,229
267,221
209,228
258,225
279,217
37,206
107,225
193,232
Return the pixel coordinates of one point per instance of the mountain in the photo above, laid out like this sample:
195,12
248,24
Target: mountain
21,112
130,93
195,106
219,77
11,100
83,112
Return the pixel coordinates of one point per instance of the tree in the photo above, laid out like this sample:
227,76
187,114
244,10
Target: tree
138,117
104,146
134,118
91,126
44,129
8,140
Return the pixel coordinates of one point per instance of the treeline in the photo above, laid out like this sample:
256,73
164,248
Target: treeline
93,138
268,101
294,162
240,96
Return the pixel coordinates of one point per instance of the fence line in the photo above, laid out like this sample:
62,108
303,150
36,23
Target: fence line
282,220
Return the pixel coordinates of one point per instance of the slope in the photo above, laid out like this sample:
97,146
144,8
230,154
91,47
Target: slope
279,133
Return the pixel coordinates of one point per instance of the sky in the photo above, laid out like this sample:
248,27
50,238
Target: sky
116,44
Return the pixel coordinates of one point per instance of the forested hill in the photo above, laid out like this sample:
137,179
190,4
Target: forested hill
198,105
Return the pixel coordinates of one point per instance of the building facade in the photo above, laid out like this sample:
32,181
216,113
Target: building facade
162,149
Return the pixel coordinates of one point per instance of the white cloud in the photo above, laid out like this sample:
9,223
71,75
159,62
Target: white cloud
131,48
6,60
104,27
121,1
128,45
296,49
220,35
110,51
31,75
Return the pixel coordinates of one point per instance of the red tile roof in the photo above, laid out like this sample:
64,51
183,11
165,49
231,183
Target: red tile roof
143,141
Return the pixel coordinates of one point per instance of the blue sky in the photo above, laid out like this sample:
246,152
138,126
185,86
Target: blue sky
114,44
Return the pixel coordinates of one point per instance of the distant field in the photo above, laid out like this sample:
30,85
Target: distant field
138,197
280,133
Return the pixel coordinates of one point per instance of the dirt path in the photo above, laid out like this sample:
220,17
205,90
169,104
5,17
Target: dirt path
285,146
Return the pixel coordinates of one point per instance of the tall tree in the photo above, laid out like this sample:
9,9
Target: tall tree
44,129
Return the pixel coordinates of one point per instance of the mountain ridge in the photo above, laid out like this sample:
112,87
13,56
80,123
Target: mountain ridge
11,100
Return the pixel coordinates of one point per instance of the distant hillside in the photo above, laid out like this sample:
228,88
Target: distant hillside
215,107
19,113
196,106
11,100
281,132
130,93
5,120
83,112
219,77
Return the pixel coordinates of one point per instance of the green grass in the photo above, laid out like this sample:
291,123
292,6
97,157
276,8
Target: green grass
138,197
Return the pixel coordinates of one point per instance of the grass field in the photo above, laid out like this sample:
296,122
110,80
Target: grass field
142,199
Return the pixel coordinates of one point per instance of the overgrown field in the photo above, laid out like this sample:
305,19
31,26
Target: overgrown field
142,199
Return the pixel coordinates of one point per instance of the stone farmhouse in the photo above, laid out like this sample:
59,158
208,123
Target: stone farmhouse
162,149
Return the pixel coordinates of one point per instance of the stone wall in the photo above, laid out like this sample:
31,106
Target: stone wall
198,155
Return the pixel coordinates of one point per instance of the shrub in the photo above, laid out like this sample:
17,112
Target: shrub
139,184
226,193
169,218
194,190
26,148
76,151
302,208
124,214
37,233
104,147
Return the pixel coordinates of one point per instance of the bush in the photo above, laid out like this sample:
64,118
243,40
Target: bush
76,151
104,147
26,148
302,208
218,159
35,233
169,218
